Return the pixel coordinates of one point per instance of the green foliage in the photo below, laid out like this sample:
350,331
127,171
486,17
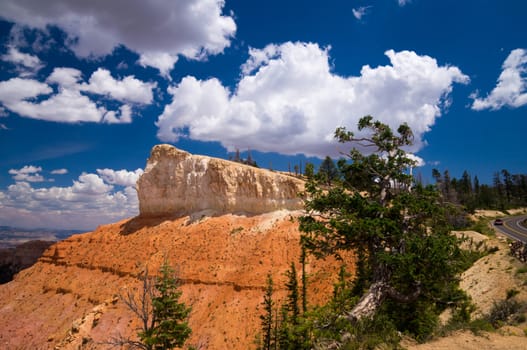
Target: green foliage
373,334
475,326
327,172
370,333
507,190
511,293
267,317
399,231
482,226
283,329
169,327
292,295
303,278
163,318
507,311
309,171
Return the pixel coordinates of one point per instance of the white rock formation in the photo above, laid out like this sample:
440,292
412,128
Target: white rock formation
177,183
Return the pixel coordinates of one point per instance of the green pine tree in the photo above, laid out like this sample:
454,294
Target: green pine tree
267,317
169,325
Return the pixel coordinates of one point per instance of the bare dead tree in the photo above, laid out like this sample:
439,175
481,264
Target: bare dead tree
164,319
141,306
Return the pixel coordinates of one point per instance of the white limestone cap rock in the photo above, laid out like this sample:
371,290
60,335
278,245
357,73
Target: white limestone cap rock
177,183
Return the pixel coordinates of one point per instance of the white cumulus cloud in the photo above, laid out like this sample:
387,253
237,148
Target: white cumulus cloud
28,173
289,101
15,90
511,89
68,103
90,184
129,89
163,61
120,177
158,30
26,64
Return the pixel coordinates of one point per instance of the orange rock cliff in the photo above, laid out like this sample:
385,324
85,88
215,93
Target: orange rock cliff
225,226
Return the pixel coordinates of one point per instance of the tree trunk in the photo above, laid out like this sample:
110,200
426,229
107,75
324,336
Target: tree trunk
370,302
365,308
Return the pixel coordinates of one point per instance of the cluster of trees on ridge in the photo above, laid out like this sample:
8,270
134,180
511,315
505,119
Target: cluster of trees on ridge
506,191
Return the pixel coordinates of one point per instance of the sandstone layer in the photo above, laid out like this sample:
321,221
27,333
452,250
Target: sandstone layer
176,183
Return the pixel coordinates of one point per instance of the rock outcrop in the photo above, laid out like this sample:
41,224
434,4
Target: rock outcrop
177,183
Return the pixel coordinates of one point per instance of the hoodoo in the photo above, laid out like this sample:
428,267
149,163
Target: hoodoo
177,183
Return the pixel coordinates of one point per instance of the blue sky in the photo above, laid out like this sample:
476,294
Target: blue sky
88,87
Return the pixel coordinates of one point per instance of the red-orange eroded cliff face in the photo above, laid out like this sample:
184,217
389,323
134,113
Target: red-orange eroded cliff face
68,299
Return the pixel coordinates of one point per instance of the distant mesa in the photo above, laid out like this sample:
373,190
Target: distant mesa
177,183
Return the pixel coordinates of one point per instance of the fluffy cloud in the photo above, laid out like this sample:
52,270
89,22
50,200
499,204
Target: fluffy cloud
120,177
129,89
90,201
26,64
289,101
160,60
69,103
158,30
17,89
403,2
28,173
511,90
90,184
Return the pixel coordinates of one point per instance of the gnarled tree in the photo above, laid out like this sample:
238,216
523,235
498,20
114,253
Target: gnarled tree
397,229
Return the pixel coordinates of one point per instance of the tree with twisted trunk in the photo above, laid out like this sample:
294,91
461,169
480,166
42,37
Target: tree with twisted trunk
406,255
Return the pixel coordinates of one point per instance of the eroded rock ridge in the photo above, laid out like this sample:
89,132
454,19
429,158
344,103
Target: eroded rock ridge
177,183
